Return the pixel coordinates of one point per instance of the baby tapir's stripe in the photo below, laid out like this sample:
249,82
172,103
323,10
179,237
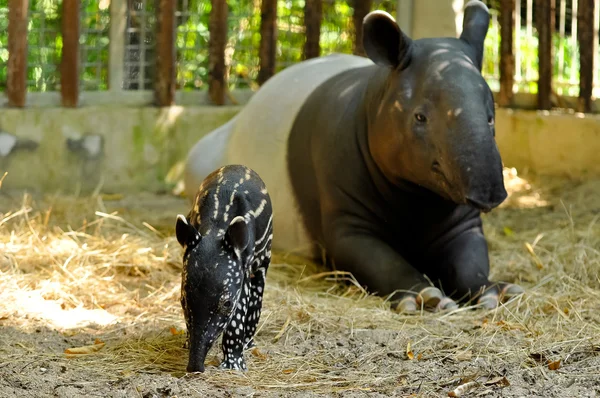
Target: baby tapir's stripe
227,250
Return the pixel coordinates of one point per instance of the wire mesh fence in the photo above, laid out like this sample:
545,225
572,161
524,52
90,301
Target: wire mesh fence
140,45
525,39
94,42
192,37
44,45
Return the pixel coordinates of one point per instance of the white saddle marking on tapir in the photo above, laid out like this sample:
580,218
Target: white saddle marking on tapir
257,138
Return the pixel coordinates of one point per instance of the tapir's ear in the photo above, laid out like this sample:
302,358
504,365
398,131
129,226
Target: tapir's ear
476,22
237,234
185,232
384,42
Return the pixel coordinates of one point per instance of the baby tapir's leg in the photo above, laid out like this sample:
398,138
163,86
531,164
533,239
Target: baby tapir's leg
234,336
257,288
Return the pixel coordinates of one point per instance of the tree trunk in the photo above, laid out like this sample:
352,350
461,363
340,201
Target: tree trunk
507,57
545,10
164,89
313,14
217,27
69,64
361,9
16,82
268,39
585,36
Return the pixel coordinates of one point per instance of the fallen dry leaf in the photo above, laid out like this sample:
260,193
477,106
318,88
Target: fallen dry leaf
500,380
554,365
409,352
287,371
176,332
85,350
256,352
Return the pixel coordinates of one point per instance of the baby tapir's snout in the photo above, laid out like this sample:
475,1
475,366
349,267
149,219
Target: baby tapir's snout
226,239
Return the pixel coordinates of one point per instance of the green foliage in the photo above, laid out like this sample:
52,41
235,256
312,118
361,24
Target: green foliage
192,36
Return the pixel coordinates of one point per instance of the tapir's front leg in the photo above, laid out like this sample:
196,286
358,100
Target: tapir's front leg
257,286
234,336
379,267
463,270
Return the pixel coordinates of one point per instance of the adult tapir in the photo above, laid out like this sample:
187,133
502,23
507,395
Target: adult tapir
384,162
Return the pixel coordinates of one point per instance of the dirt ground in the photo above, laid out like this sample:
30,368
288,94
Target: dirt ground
103,273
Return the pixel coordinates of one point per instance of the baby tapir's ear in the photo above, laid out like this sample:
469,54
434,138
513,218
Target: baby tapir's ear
186,234
237,234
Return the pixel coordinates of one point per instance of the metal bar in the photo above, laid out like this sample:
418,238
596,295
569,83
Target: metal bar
313,15
268,40
69,65
165,60
16,81
116,49
217,27
507,58
545,27
585,30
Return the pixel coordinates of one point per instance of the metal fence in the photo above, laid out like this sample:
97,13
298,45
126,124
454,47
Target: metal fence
137,69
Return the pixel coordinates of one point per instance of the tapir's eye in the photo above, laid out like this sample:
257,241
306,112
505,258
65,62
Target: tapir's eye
420,118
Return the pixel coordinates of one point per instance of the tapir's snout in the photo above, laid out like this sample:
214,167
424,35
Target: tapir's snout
198,351
488,192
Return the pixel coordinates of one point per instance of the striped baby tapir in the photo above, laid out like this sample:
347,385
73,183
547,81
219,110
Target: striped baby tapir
226,239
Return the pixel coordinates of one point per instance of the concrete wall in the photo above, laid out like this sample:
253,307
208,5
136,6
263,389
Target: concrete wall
114,149
430,18
117,149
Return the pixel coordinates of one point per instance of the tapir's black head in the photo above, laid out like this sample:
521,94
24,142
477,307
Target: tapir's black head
212,281
435,123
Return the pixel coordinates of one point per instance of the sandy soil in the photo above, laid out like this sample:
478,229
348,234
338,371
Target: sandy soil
318,337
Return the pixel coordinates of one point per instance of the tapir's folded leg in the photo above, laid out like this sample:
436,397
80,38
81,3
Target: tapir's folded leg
382,270
463,271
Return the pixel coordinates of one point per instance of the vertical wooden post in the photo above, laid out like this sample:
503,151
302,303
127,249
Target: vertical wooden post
313,14
268,39
217,28
507,57
361,9
585,35
164,88
545,10
69,63
16,84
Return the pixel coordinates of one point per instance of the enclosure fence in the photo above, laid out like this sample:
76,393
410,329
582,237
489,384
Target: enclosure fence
175,51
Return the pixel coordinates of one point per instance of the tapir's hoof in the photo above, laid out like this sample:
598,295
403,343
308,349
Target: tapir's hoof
430,297
488,301
510,290
407,305
499,294
446,304
233,364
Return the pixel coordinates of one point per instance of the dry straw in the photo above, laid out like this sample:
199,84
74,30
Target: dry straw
319,330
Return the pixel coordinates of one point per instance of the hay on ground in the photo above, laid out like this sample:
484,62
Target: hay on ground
79,266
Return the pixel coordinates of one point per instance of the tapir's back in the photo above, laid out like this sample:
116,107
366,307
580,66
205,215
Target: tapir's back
257,137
